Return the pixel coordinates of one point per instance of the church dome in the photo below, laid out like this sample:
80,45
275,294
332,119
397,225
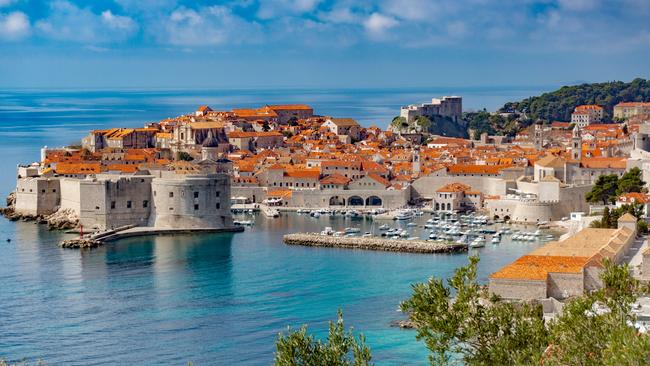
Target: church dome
210,141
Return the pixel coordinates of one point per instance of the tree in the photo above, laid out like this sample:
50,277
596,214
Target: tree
399,123
474,328
630,182
184,156
266,127
604,190
423,122
341,348
500,333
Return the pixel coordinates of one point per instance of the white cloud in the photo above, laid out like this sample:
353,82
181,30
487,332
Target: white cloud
212,25
118,22
277,8
377,24
67,22
14,26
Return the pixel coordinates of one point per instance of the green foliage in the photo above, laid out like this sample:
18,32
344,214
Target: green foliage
558,105
423,122
604,190
184,155
474,328
610,217
341,349
630,182
594,330
501,333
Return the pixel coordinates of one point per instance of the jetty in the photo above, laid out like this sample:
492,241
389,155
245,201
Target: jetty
389,245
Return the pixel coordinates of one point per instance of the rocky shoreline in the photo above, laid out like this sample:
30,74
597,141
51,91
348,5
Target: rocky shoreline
80,243
62,219
390,245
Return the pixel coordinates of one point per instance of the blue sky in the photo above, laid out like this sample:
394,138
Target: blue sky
321,43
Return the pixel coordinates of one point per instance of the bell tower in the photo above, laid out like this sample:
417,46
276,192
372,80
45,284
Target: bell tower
538,138
576,144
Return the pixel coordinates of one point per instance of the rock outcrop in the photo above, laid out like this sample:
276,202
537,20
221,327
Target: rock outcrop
62,219
80,243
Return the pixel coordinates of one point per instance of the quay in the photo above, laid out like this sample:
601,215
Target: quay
389,245
98,239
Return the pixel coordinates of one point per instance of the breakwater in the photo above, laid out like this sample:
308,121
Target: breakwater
389,245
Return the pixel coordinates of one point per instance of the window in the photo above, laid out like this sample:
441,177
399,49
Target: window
217,193
171,209
171,194
96,207
154,193
196,206
112,204
196,194
42,191
128,204
218,205
54,191
145,204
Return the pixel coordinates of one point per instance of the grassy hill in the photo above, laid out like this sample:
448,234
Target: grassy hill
558,105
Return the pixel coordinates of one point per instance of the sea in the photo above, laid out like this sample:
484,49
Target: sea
213,299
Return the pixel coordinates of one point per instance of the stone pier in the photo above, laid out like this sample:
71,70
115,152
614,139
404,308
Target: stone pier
389,245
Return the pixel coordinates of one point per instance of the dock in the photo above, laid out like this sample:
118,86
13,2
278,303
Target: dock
383,244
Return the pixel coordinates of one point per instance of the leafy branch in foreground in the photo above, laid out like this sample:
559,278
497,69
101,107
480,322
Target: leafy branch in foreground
341,349
461,323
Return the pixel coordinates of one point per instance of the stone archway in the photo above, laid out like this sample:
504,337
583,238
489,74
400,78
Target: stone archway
506,218
373,201
337,201
355,201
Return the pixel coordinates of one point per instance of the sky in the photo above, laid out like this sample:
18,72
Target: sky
321,43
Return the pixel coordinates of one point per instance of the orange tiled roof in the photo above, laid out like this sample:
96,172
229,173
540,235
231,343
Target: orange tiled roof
537,267
78,168
603,163
454,187
336,179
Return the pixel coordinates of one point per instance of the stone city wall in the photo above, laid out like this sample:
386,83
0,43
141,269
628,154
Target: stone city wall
518,289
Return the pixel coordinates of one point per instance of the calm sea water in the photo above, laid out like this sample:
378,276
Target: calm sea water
212,299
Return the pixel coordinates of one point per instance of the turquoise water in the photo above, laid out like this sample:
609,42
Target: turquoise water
212,299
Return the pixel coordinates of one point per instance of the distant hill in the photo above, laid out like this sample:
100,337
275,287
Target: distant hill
558,105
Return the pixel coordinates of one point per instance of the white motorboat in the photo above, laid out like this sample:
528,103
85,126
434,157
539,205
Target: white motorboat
243,222
495,239
479,242
327,231
384,227
352,230
403,215
367,235
412,224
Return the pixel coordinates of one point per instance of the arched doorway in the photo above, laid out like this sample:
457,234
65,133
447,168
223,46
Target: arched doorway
337,201
506,218
373,201
355,201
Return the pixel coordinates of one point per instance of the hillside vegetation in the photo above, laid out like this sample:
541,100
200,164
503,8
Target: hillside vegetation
558,105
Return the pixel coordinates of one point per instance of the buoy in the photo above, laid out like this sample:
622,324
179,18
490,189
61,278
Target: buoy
8,240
